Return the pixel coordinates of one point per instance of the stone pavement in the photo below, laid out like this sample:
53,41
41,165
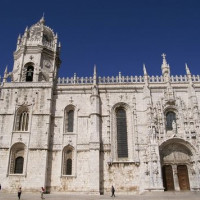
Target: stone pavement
145,196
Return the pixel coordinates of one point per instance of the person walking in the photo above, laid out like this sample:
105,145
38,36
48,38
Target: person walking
19,192
113,191
42,193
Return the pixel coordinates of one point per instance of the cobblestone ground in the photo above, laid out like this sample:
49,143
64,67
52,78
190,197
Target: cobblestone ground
145,196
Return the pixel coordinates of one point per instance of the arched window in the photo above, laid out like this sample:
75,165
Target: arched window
29,73
122,145
69,119
17,158
68,153
19,162
22,119
170,117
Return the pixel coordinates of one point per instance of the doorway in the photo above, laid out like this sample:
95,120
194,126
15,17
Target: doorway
168,179
183,179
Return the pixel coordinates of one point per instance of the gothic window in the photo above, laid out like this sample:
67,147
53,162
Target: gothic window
17,158
122,144
69,119
68,154
170,117
29,73
22,119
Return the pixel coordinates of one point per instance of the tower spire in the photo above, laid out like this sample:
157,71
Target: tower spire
189,76
5,74
165,68
42,20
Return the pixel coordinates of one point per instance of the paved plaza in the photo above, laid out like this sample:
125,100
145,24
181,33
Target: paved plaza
145,196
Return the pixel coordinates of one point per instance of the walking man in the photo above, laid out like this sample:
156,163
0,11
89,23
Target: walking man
113,191
19,192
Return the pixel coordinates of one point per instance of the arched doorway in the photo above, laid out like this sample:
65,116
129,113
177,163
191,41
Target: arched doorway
176,157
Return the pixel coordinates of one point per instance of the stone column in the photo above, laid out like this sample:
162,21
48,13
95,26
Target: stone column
94,146
176,182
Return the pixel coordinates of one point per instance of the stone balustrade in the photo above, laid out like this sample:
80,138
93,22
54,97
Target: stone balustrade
35,42
125,79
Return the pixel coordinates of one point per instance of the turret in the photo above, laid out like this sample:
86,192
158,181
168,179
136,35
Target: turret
37,54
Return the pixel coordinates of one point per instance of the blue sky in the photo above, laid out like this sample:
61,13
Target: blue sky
116,35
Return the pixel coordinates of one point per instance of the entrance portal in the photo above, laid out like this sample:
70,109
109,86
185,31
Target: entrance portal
183,179
168,180
176,156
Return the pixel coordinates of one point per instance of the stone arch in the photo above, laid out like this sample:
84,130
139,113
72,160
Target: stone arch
28,71
189,148
17,157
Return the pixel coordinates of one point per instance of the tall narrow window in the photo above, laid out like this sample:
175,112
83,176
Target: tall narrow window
22,119
29,73
122,145
70,121
68,153
170,117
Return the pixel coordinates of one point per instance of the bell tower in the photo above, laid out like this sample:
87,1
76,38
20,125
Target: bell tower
26,108
36,57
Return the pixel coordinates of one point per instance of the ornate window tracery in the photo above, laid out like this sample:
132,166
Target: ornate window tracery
22,119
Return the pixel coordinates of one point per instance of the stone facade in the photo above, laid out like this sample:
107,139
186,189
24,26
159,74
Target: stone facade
85,134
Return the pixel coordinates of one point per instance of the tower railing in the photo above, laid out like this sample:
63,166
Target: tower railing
35,42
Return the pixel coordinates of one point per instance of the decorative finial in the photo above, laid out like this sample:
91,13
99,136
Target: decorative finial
164,58
95,69
18,39
144,69
95,75
6,70
163,55
42,20
187,69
